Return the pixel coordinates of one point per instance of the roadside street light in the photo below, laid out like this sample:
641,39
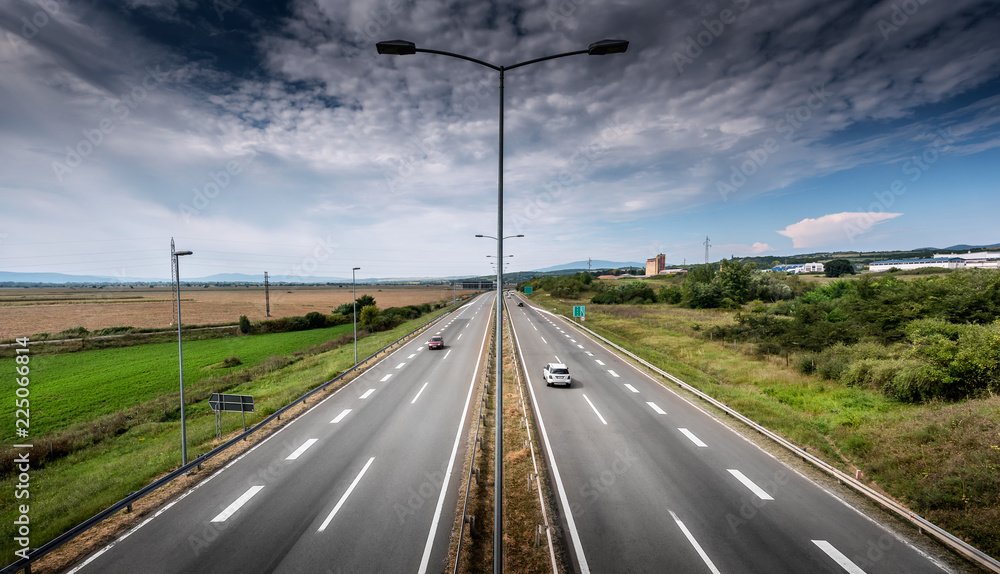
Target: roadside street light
180,348
403,48
354,306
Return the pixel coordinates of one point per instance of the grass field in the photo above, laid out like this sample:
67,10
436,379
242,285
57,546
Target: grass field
73,488
941,459
25,312
74,388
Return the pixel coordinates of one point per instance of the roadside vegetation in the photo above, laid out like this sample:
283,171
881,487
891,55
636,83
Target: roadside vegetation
899,378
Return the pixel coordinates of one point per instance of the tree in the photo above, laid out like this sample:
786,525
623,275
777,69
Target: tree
369,316
245,326
839,267
734,278
364,301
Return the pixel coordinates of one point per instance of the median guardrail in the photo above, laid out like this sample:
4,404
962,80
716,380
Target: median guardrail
126,503
954,543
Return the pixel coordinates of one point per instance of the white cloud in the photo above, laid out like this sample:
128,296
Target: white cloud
833,229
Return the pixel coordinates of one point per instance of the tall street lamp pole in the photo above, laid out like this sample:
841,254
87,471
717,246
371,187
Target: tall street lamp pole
354,305
180,348
403,48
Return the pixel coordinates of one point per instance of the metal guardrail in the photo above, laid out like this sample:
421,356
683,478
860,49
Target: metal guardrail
956,544
37,553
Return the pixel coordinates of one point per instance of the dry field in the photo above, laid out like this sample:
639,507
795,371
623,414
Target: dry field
24,312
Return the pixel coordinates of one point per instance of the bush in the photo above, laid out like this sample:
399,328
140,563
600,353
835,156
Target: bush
670,294
245,327
232,361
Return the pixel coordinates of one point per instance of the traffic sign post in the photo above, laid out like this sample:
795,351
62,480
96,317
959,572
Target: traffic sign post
527,290
221,402
579,311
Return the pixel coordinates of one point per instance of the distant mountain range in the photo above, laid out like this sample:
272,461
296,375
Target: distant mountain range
595,264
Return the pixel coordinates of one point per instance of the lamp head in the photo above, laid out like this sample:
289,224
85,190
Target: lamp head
396,47
605,47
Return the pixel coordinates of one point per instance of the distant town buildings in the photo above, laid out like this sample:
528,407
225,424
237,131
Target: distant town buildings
983,259
799,268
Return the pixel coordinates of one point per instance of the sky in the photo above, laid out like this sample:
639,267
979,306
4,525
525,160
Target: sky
271,136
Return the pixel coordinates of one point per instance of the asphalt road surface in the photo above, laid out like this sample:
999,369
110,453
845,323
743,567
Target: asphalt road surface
647,482
365,481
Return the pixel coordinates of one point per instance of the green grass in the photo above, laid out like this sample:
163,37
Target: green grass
74,488
71,388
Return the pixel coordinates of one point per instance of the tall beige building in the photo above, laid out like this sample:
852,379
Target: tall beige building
656,264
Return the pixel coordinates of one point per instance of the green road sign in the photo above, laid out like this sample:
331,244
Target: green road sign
527,290
578,311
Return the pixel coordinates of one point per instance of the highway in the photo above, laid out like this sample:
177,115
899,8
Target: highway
365,481
648,482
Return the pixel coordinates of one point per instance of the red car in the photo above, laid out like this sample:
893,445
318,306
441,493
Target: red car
436,342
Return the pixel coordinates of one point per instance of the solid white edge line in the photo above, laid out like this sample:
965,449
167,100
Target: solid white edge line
697,547
838,557
631,388
425,559
367,394
237,504
343,498
420,391
595,410
697,441
750,484
341,416
298,452
97,554
574,534
656,407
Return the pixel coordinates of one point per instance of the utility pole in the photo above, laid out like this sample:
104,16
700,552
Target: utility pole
267,297
707,245
589,261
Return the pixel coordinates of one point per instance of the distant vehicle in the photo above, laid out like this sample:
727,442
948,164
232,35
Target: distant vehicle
556,374
520,303
436,342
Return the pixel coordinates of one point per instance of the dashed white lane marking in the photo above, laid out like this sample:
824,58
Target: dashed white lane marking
653,406
232,508
595,410
341,416
687,534
750,484
544,341
694,439
838,557
400,366
298,452
589,353
385,378
446,354
346,494
418,392
458,337
599,362
411,356
367,394
631,388
613,374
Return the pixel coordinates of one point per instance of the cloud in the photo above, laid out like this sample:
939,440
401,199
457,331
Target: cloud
833,228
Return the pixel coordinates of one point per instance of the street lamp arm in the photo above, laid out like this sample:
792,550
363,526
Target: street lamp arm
553,57
461,57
